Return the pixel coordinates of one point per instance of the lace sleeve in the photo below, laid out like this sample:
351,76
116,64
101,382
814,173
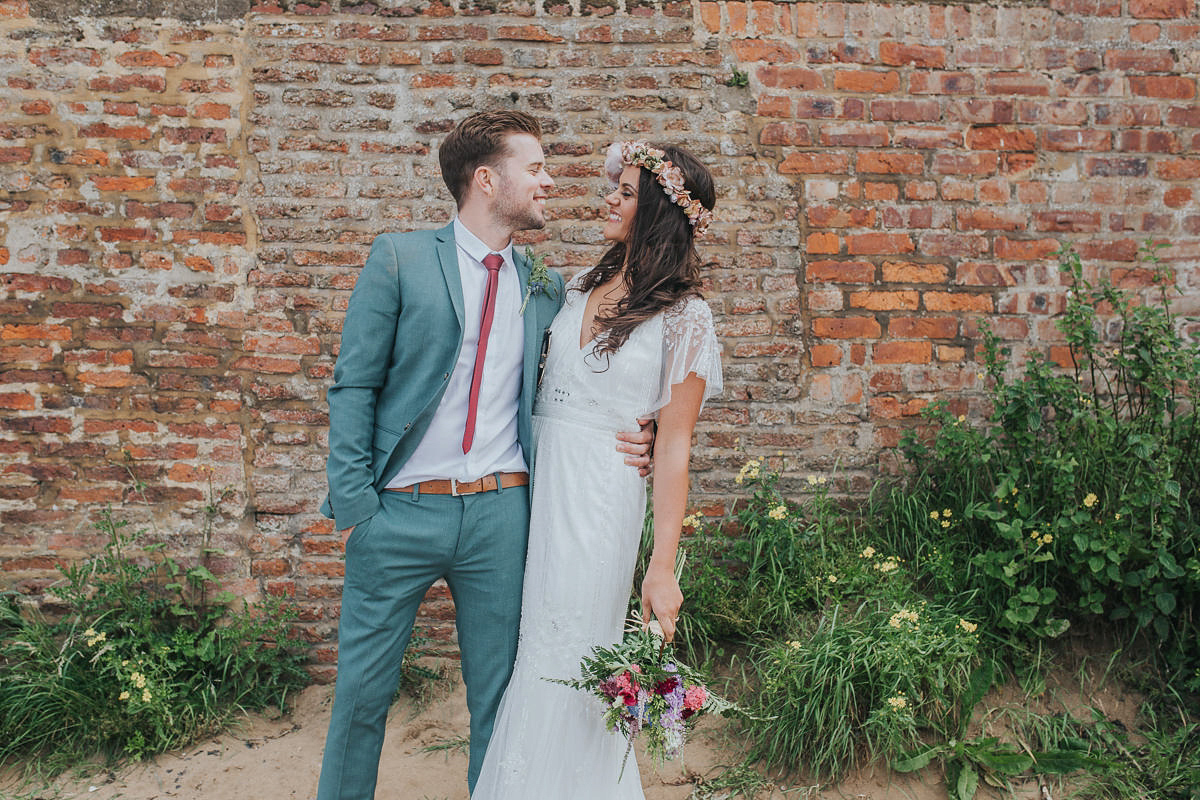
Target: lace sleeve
689,346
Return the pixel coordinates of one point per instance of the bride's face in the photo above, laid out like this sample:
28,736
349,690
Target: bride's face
622,203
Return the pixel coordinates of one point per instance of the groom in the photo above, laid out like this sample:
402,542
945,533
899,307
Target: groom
430,438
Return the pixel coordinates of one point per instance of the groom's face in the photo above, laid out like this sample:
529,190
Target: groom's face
523,184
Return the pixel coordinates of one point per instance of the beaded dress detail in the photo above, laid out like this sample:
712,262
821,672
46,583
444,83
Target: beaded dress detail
549,741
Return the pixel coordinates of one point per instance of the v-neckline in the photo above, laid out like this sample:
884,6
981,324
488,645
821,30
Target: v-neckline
583,318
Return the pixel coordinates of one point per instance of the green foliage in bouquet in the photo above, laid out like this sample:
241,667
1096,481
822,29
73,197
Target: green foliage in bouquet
1080,495
147,657
645,690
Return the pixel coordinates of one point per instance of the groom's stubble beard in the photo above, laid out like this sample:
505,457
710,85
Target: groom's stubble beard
512,212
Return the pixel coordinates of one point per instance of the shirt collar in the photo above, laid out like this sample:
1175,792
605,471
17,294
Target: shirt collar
470,244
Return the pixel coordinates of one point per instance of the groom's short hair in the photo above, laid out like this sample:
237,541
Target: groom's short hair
480,140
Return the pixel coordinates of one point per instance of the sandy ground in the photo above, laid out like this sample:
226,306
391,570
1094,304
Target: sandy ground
275,759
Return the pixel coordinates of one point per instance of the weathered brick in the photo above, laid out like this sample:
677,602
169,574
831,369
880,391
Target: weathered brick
1166,87
1162,9
905,352
879,243
884,301
846,327
815,163
957,301
918,55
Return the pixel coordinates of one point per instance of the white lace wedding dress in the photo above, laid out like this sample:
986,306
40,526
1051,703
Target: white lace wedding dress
550,742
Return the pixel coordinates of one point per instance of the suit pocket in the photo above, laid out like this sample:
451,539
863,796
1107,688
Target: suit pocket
383,444
359,532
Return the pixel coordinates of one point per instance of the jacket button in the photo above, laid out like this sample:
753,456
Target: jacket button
446,377
406,427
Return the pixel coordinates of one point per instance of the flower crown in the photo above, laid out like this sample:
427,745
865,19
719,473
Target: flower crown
640,154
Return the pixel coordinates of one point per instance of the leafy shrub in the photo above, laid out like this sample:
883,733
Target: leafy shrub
1080,496
771,565
144,660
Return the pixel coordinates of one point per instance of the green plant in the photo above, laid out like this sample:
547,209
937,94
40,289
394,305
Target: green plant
966,759
753,572
737,78
147,657
449,746
864,683
1079,496
420,679
741,780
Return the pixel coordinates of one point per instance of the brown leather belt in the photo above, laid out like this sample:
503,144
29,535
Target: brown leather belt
488,483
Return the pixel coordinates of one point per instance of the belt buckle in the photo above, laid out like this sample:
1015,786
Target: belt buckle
453,488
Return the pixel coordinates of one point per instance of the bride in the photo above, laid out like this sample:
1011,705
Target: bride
634,339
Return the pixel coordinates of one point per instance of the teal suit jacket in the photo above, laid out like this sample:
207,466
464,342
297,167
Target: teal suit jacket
400,341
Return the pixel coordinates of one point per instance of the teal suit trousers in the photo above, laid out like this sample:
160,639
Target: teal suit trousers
478,543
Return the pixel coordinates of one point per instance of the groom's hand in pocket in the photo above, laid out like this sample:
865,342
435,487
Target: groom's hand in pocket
638,446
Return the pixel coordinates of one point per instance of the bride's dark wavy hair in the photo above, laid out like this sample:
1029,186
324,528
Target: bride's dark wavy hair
659,250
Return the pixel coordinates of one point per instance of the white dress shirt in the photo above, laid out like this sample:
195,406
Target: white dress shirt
495,447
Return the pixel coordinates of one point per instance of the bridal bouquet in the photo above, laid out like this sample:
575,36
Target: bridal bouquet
646,691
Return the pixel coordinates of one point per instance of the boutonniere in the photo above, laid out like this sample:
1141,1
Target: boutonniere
539,278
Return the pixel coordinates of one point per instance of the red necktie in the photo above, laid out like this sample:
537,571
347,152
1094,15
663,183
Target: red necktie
493,262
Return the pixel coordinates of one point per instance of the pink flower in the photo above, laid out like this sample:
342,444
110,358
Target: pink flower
693,699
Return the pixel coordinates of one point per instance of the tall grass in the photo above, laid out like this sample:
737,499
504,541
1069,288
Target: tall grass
148,656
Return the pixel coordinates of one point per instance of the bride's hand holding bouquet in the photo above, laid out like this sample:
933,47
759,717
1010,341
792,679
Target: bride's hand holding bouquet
647,691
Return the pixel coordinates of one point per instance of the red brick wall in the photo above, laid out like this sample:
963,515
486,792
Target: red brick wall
184,207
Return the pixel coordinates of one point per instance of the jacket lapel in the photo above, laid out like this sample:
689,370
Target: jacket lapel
532,330
447,253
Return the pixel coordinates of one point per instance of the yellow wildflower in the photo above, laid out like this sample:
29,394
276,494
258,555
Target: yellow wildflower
812,480
869,552
890,565
1090,499
1034,535
898,619
969,627
1116,516
962,418
691,521
947,513
1047,539
139,680
778,512
933,515
123,696
945,523
794,645
897,703
833,578
145,695
749,470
